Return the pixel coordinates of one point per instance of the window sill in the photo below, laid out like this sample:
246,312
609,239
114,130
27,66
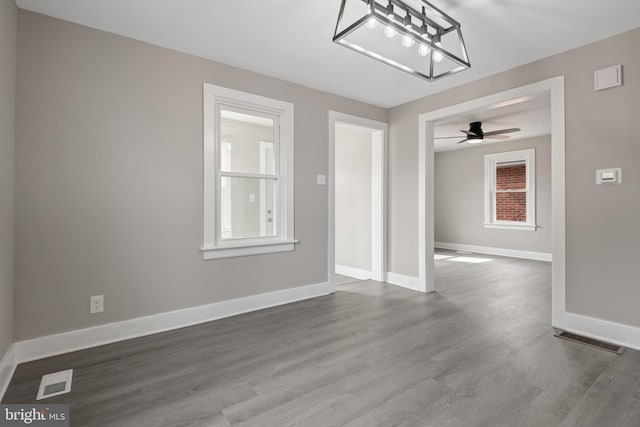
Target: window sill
238,250
516,227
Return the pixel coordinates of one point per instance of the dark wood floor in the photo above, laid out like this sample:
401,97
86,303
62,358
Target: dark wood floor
479,352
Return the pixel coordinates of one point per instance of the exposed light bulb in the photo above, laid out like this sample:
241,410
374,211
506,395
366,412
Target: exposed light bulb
423,49
372,23
437,56
407,41
389,31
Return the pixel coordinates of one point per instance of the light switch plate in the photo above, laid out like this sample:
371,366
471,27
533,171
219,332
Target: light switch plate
609,176
321,179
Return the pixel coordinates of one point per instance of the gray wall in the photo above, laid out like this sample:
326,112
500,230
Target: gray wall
109,180
459,198
601,131
353,198
8,32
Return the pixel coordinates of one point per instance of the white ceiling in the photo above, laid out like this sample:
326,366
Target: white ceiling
292,39
531,115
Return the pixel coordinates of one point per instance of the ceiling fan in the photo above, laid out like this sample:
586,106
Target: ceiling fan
476,135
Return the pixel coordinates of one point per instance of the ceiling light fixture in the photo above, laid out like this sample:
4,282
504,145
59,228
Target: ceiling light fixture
431,45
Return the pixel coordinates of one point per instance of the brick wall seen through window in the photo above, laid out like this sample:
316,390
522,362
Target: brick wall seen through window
511,195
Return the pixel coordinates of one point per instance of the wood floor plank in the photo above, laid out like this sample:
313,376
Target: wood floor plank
614,398
479,352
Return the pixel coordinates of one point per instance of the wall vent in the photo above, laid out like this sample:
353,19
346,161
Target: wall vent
613,348
607,77
55,384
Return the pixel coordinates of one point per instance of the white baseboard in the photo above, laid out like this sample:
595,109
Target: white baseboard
51,345
356,273
603,330
404,281
513,253
7,367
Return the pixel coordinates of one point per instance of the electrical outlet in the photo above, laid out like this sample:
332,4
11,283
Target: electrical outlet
96,304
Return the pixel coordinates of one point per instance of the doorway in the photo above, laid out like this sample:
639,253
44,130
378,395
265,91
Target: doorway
554,88
357,197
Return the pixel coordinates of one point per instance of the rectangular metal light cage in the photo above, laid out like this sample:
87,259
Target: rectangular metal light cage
411,35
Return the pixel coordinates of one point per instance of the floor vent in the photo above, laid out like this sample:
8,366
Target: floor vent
613,348
55,384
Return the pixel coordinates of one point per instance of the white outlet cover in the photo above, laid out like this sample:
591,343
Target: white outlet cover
96,304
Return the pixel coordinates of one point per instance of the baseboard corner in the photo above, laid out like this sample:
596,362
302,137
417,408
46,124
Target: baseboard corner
7,368
356,273
401,280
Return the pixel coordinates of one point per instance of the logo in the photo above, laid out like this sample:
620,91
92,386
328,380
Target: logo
34,415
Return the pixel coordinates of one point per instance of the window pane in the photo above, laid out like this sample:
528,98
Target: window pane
250,137
511,196
511,177
511,206
248,208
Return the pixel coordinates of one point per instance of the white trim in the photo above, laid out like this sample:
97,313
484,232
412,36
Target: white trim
558,207
510,226
379,142
51,345
513,253
603,330
378,205
331,201
356,273
283,113
7,368
248,249
404,281
426,201
264,147
554,87
491,162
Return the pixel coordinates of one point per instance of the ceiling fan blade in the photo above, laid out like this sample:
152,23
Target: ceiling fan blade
496,137
464,140
469,133
498,132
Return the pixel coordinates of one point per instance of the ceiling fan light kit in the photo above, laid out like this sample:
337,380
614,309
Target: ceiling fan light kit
475,135
411,35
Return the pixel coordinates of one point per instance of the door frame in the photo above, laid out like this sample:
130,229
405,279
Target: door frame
379,144
554,88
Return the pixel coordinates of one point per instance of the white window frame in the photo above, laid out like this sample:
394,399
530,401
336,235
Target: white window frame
491,162
213,246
